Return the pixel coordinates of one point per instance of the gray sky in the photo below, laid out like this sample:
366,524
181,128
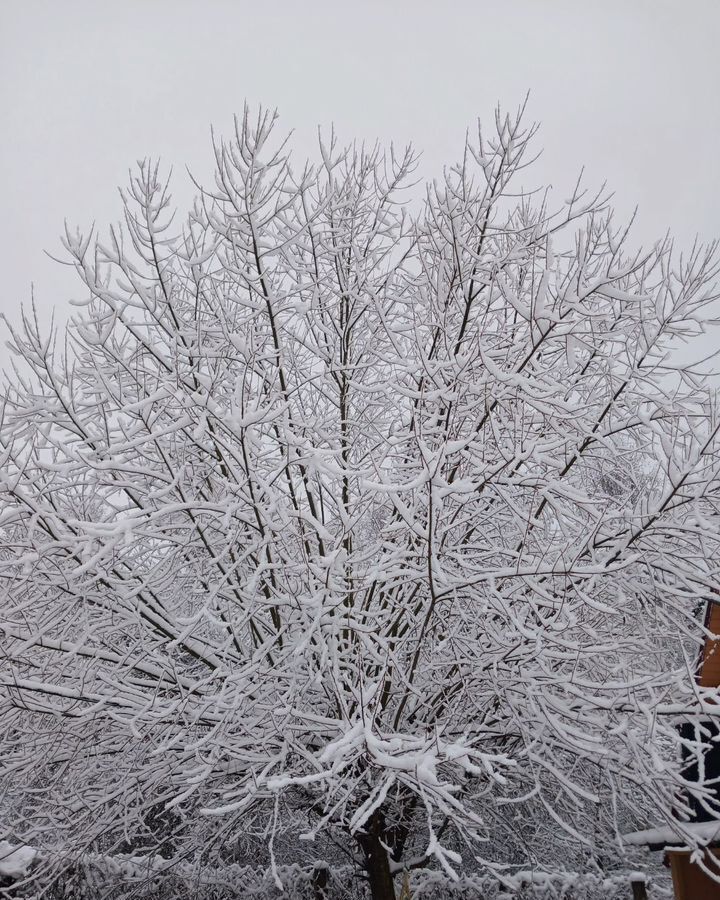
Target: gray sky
627,88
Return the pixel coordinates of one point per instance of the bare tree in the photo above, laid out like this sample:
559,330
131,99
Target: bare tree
340,518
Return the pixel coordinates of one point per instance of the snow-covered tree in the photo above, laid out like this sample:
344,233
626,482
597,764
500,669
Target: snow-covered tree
340,517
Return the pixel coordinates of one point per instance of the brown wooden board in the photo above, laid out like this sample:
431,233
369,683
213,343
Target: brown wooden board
709,675
690,882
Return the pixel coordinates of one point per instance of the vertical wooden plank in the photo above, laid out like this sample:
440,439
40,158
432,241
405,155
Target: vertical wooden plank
710,662
678,880
690,882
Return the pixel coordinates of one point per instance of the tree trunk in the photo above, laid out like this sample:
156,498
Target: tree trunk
377,863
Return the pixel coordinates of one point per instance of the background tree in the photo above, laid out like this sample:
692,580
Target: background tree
338,519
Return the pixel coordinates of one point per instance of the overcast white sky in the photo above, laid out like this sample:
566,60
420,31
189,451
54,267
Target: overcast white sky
627,88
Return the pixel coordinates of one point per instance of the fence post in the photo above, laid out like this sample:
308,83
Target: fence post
320,879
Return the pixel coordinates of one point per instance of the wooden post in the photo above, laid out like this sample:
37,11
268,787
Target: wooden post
320,878
690,882
639,889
